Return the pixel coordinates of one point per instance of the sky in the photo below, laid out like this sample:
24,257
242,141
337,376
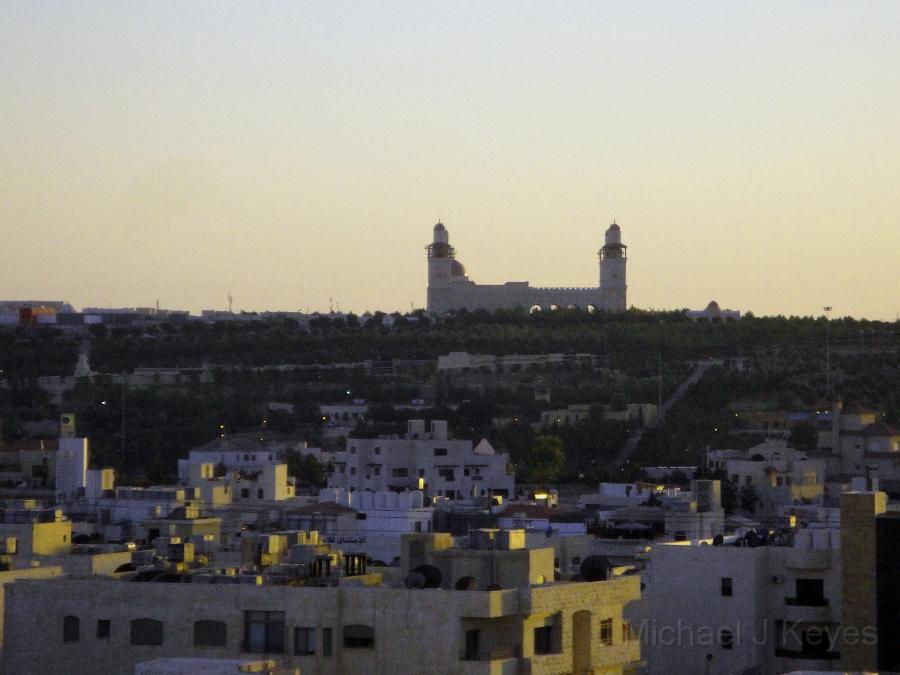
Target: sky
297,154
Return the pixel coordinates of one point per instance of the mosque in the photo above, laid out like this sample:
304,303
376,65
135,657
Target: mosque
450,289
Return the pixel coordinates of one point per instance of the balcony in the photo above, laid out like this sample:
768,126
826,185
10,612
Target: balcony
807,610
807,654
492,666
808,559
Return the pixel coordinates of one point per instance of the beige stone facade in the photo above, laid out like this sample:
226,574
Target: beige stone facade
554,628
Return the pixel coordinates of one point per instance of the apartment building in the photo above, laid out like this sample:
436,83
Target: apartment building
424,460
515,618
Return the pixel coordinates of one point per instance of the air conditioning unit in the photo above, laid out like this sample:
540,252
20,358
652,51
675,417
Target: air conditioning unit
777,579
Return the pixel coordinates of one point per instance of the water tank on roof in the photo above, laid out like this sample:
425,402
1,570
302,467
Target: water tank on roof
595,568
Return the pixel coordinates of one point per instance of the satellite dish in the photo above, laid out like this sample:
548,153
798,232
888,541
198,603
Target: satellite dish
430,573
414,580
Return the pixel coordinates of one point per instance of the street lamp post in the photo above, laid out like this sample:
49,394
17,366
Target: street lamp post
827,309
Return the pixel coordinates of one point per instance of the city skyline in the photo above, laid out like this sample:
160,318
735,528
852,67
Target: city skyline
289,155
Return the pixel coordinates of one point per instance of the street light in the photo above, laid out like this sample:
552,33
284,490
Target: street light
827,309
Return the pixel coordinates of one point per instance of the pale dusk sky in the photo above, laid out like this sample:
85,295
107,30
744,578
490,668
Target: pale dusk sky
292,152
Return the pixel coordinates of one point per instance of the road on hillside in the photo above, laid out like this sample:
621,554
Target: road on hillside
697,372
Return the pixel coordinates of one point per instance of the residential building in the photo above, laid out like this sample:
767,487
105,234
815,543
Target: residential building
430,461
509,616
758,607
781,475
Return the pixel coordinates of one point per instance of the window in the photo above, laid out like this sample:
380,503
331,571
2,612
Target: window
304,641
359,637
418,526
376,469
473,637
259,493
210,634
104,629
71,629
377,450
146,632
245,493
810,593
726,587
421,473
440,452
264,632
465,472
606,631
326,642
543,640
627,631
726,639
400,473
352,449
352,470
447,474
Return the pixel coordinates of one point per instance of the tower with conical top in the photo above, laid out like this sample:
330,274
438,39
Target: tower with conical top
613,258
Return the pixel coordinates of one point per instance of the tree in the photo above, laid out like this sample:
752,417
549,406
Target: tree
545,459
729,496
749,498
804,436
306,469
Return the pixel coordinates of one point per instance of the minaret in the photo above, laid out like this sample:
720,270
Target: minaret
440,261
612,270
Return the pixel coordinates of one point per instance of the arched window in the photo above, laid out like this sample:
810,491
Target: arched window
146,632
71,629
210,633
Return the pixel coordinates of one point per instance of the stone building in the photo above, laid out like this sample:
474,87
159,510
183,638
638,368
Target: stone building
487,610
449,288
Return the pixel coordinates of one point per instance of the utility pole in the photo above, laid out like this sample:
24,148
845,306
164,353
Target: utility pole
659,410
828,349
124,386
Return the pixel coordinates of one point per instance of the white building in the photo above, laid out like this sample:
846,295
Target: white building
430,461
71,467
713,312
741,609
375,525
450,289
859,442
781,475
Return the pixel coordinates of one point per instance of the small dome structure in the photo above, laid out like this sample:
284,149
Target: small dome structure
457,269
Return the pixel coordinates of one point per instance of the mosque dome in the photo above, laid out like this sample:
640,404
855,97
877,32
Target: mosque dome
440,226
457,269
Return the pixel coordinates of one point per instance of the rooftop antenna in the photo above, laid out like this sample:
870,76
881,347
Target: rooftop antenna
230,303
330,305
